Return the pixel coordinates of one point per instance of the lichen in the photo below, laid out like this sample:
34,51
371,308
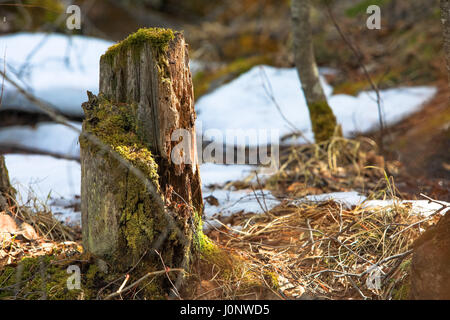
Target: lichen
114,125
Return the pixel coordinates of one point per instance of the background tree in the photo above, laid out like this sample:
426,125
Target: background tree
322,118
5,186
445,13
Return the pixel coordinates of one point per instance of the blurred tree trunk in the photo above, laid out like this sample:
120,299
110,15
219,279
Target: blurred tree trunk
445,13
5,187
322,118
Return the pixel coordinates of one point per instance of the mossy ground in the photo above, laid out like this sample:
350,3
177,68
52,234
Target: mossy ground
232,276
47,277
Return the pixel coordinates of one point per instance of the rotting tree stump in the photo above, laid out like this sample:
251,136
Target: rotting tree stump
136,196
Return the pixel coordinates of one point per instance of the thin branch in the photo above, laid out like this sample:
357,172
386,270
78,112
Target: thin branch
359,58
134,284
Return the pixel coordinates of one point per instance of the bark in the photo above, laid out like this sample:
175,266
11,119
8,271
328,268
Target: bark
445,14
430,267
145,95
5,187
322,118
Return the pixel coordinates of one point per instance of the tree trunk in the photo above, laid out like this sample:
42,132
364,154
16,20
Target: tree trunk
322,118
5,187
445,14
141,196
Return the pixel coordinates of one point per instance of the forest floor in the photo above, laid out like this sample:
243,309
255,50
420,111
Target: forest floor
297,250
421,143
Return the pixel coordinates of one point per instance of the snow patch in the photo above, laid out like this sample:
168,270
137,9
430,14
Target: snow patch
245,103
219,174
234,202
44,137
56,68
56,183
354,199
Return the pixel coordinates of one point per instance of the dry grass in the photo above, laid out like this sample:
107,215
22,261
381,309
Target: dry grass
340,165
53,237
40,217
326,250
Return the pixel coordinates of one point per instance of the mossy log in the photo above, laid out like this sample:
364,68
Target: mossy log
135,197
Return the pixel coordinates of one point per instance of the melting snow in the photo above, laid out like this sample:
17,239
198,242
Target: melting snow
352,199
245,103
56,68
44,137
233,202
53,182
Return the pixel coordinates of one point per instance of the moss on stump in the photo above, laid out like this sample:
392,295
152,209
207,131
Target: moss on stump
135,199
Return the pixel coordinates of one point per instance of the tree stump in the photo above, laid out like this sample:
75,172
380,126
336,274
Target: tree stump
140,192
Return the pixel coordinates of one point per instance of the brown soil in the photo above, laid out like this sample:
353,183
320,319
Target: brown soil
422,143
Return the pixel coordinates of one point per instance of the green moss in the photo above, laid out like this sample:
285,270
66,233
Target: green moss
362,6
202,244
272,280
402,289
158,38
114,124
323,121
37,278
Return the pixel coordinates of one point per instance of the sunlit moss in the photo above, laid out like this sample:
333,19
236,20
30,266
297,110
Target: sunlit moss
114,125
323,121
158,38
37,278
